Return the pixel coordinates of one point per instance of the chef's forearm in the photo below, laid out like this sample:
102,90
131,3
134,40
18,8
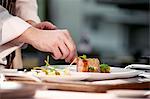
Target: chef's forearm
27,36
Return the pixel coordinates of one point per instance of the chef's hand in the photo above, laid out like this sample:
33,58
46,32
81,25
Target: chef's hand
45,26
42,25
58,42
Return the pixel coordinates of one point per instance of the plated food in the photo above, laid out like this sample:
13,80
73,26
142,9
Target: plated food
85,64
49,71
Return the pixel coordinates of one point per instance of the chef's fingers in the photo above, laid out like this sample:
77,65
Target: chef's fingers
75,58
45,26
72,51
49,26
64,49
56,53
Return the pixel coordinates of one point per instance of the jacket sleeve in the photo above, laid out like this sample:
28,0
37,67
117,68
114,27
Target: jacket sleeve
27,10
10,28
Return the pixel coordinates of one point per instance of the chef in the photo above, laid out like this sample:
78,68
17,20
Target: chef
20,24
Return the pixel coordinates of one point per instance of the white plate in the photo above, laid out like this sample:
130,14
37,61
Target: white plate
76,76
115,73
72,77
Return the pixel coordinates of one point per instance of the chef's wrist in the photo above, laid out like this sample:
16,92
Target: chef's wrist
27,36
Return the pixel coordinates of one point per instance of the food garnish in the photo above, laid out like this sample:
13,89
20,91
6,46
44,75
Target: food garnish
92,69
104,68
83,57
47,61
49,70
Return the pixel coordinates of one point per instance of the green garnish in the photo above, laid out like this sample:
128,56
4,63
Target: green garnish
47,64
83,56
52,68
104,68
47,61
92,69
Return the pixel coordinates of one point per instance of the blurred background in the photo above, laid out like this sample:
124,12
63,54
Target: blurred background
115,31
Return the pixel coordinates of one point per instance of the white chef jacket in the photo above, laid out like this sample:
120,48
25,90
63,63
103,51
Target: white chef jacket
13,26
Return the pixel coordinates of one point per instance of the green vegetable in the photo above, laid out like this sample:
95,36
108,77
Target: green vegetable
104,68
92,69
52,68
47,61
83,56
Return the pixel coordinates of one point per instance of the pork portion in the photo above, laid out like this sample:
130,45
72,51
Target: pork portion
83,65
